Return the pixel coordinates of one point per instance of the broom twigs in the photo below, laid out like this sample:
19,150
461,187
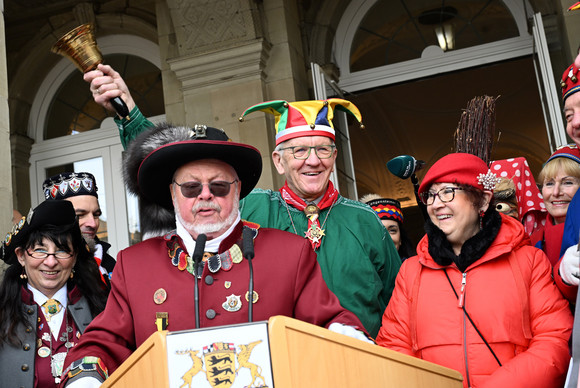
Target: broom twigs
476,128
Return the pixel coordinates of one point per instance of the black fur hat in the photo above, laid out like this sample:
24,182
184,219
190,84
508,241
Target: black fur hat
154,156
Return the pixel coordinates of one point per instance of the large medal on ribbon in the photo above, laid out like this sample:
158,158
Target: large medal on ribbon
314,232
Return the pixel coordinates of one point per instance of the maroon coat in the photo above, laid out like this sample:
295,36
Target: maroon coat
287,280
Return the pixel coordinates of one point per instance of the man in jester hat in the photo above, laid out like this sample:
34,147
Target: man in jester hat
358,259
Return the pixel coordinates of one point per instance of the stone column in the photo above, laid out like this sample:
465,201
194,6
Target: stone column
6,172
222,57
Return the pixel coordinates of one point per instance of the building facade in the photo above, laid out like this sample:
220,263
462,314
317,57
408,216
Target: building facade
410,66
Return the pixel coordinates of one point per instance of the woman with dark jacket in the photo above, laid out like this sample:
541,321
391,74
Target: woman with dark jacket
477,298
50,293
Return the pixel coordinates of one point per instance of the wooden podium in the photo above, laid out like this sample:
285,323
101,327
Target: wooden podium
302,355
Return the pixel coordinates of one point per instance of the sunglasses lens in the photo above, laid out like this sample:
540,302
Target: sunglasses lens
191,189
219,189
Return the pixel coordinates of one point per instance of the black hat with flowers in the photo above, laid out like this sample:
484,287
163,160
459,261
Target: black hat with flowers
53,212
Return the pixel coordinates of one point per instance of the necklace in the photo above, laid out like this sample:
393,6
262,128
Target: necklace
314,232
57,360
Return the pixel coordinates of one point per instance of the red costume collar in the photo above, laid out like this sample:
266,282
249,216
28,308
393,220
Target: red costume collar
329,197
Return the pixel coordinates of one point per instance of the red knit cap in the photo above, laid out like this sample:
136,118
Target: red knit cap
569,151
460,168
570,81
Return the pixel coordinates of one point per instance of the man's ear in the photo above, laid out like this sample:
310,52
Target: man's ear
278,162
172,193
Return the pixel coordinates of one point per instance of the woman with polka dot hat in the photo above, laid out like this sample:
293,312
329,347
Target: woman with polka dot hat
559,180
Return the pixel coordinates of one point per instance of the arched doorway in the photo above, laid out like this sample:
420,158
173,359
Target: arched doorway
411,90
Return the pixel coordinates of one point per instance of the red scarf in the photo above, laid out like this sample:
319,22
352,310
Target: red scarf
314,232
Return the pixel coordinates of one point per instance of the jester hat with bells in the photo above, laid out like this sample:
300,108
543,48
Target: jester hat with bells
304,118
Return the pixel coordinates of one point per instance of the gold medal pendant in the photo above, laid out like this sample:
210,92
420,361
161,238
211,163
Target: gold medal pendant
314,234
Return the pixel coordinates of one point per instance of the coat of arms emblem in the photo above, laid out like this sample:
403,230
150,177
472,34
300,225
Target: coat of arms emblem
219,360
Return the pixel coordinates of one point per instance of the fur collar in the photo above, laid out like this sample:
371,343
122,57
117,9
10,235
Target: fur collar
472,250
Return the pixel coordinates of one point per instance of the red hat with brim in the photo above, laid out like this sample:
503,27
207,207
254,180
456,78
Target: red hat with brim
459,168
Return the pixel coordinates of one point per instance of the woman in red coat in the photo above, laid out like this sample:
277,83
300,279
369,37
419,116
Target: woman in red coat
477,298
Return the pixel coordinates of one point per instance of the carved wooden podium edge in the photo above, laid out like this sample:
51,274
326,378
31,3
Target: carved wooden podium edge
158,373
147,366
280,330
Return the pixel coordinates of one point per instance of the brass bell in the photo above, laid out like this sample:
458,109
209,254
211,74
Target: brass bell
80,47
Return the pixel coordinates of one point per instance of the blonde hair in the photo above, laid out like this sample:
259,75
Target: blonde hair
554,166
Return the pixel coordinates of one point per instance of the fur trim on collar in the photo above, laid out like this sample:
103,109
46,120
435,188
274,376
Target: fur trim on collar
472,250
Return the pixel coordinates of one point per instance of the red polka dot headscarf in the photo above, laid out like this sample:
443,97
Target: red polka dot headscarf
531,208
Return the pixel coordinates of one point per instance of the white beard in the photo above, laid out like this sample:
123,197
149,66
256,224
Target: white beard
197,229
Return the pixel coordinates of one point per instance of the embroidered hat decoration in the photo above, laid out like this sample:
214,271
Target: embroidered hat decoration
387,209
69,184
304,118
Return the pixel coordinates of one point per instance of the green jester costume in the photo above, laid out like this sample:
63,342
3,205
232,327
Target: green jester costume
357,257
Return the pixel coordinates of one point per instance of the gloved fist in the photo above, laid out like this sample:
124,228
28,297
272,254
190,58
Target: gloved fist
349,331
570,266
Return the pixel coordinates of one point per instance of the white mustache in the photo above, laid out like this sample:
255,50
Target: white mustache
206,205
